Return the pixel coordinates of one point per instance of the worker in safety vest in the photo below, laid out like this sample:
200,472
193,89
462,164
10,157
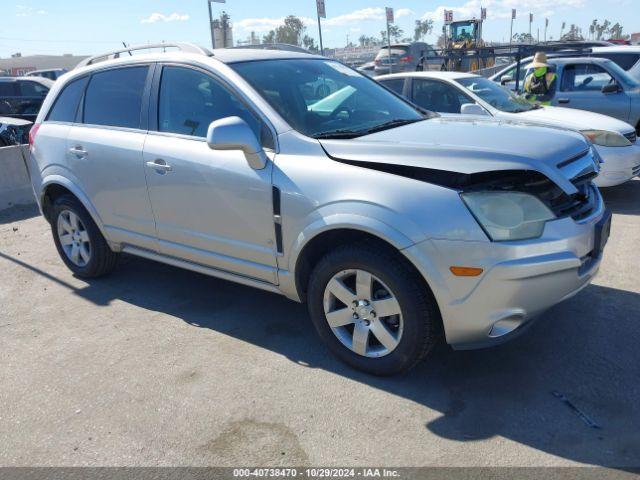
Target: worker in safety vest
539,86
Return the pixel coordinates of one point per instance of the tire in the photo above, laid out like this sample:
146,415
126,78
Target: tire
93,256
416,330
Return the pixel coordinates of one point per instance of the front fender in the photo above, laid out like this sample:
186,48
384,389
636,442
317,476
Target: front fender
347,221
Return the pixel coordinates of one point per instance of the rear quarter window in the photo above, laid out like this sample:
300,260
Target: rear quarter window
66,104
395,84
32,89
114,97
7,89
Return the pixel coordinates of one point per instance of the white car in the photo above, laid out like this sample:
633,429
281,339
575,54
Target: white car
465,93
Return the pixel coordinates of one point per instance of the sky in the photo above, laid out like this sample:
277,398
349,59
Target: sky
88,26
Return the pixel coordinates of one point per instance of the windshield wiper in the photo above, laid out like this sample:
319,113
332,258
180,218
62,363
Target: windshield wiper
389,125
336,134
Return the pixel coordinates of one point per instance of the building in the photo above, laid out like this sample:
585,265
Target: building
18,65
635,38
223,32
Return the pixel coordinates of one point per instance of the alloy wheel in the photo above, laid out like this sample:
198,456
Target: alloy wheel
74,238
363,313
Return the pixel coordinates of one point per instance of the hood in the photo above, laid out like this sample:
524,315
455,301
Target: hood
570,118
466,146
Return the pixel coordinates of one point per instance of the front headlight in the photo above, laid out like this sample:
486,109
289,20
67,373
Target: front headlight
508,215
605,138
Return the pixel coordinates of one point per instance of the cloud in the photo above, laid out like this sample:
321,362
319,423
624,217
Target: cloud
24,11
376,14
501,9
159,17
403,12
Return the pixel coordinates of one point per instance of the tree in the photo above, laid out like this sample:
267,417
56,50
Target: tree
310,44
291,32
395,32
440,43
574,34
269,37
616,33
365,41
422,29
523,37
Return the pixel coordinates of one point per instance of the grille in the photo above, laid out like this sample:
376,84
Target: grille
631,136
636,170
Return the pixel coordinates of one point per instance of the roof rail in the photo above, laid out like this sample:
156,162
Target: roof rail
183,47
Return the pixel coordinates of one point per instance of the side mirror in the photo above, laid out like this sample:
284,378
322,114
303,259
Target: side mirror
506,79
233,133
610,88
472,109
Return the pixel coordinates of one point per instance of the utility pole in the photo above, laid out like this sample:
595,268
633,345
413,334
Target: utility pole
530,22
213,33
513,17
322,13
546,24
389,12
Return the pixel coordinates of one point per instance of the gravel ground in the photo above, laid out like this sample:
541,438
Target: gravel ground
156,366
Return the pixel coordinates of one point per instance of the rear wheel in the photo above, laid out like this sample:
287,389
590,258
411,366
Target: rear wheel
372,309
79,241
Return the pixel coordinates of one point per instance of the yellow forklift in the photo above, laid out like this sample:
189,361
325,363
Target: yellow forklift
465,49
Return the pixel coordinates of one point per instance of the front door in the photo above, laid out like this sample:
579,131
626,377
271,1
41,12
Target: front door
210,207
581,87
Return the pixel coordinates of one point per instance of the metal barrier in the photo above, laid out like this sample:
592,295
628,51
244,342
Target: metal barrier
15,185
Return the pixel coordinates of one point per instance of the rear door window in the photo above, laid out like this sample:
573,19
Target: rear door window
438,96
66,105
114,97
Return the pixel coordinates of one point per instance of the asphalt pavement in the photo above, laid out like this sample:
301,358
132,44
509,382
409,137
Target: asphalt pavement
156,366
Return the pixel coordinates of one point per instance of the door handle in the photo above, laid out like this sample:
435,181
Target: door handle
160,166
563,100
78,151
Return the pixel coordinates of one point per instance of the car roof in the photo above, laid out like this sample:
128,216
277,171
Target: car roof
445,75
618,49
233,55
44,81
565,60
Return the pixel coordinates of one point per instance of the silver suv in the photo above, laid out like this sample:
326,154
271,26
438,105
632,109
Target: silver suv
395,225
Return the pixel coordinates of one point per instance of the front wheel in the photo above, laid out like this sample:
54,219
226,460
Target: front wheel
372,309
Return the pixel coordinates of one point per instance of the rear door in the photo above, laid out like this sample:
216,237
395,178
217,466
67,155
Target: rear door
104,152
581,87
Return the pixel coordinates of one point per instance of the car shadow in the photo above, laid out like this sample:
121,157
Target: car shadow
623,199
17,213
568,387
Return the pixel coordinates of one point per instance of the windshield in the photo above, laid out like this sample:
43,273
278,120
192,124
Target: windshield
462,31
495,95
325,99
